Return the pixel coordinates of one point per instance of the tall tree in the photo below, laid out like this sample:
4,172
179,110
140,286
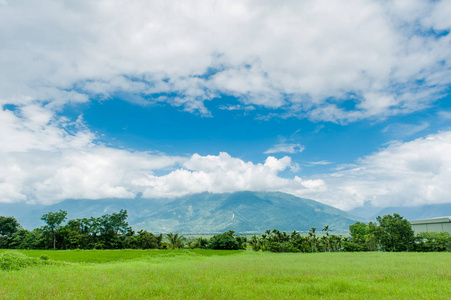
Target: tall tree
8,226
326,229
313,239
54,221
395,233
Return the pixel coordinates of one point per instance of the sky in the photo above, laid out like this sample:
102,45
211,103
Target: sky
345,102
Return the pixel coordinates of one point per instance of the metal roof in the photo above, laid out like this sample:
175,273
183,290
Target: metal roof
432,220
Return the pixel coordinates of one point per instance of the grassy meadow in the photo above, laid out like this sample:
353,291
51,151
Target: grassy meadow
214,274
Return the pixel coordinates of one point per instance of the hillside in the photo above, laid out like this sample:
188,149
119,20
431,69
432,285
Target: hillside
244,212
200,213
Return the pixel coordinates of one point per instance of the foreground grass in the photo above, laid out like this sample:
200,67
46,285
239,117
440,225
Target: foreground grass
103,256
201,275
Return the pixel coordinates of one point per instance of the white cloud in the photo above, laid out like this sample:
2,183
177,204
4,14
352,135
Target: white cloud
285,148
302,57
224,173
295,55
403,174
47,159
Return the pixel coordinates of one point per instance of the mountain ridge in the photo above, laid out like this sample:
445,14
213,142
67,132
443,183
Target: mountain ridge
244,211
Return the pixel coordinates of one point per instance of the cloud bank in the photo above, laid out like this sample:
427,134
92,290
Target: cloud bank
46,159
402,174
337,61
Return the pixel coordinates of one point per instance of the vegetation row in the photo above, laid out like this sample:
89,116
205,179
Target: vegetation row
388,233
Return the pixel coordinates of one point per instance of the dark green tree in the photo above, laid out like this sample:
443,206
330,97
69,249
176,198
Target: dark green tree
224,241
8,226
54,221
395,233
201,242
148,240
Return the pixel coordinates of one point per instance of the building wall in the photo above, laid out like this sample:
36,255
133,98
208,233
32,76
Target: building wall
432,227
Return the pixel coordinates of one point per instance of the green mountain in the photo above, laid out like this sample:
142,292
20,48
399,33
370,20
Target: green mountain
244,212
200,213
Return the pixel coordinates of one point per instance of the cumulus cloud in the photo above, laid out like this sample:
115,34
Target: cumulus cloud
305,57
402,174
46,159
223,173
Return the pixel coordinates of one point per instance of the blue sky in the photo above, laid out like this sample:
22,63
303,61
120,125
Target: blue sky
248,135
344,102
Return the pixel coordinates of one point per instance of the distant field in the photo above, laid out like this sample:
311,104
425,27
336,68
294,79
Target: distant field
210,274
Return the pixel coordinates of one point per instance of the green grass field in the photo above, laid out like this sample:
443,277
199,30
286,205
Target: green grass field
210,274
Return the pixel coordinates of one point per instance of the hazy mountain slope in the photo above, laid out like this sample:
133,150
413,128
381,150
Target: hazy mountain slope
200,213
244,211
29,216
418,212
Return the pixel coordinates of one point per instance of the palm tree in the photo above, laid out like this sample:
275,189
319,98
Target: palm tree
326,229
276,234
175,240
312,235
263,241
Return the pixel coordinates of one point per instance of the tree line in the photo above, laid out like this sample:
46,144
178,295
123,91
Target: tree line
112,231
389,233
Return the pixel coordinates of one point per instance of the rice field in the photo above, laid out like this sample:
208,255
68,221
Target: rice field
213,274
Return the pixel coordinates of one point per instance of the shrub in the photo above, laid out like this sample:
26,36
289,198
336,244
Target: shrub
351,247
224,241
13,260
433,241
282,247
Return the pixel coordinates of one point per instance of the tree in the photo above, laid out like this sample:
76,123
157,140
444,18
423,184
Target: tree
313,238
358,231
395,233
201,242
148,240
224,241
54,221
175,240
8,226
326,229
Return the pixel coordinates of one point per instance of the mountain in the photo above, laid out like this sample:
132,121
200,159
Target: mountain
29,215
244,212
369,212
201,213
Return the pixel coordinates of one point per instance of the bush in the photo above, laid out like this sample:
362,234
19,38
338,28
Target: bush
351,247
282,247
13,260
224,241
433,241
